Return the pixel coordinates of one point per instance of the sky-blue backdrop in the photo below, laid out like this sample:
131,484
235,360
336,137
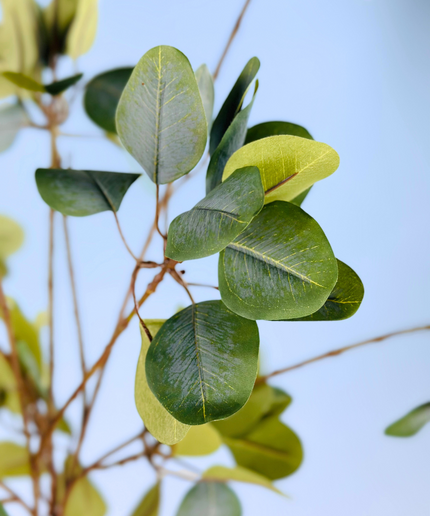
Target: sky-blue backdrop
356,74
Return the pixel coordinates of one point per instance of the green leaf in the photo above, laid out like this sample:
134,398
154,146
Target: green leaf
289,165
231,141
271,449
200,440
344,300
2,511
160,117
233,103
58,16
13,460
164,427
150,504
58,87
210,498
23,81
11,237
205,83
280,267
267,129
12,119
281,400
217,219
83,192
83,28
239,474
298,201
84,498
8,387
102,96
411,423
203,363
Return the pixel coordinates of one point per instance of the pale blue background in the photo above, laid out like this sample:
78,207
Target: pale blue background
356,74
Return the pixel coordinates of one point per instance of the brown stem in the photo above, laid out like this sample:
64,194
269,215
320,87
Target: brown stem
341,350
51,306
179,279
202,285
14,497
157,214
123,238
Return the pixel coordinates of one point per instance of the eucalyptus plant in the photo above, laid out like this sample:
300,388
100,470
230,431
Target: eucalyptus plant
197,383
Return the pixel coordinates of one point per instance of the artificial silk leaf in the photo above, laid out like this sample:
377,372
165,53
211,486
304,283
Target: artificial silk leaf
298,201
82,192
231,141
210,498
58,87
203,362
267,129
8,387
205,83
102,96
288,164
217,219
271,449
160,117
83,28
239,474
411,423
2,511
13,460
280,267
11,237
84,498
164,427
233,103
12,119
200,440
344,300
23,81
150,504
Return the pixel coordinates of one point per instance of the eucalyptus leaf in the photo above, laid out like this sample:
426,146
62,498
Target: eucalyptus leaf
344,300
82,32
13,460
231,141
11,237
203,362
210,498
280,267
164,427
289,165
410,424
58,17
83,192
150,504
200,440
102,96
57,87
233,103
266,129
12,119
239,474
281,400
272,449
8,387
205,83
217,219
160,117
23,81
84,498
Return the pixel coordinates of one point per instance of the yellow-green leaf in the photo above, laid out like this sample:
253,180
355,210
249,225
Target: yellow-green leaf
8,387
200,440
85,499
24,81
83,29
150,504
13,460
239,474
11,237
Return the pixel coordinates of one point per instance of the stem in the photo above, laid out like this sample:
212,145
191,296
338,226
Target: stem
51,307
342,350
157,214
14,497
123,238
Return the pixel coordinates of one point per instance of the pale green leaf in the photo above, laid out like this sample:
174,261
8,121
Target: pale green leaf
11,237
200,440
217,219
150,504
289,165
210,499
164,427
12,119
83,28
160,117
205,83
239,474
85,499
13,460
411,423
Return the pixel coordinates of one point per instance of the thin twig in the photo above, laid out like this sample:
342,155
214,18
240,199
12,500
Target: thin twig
157,214
341,350
51,306
15,497
123,238
202,285
179,279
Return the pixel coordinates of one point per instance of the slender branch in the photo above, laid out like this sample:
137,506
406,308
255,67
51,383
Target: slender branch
120,462
118,448
51,306
123,238
231,38
179,279
202,285
14,497
157,214
342,350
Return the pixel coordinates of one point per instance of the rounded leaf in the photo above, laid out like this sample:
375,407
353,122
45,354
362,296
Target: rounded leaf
267,129
11,237
210,498
206,87
411,423
200,440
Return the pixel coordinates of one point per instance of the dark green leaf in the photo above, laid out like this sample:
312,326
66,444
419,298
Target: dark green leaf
206,87
160,117
58,87
231,141
82,192
102,96
203,363
411,423
24,81
2,511
210,498
217,219
267,129
12,119
233,103
271,449
344,300
13,460
150,504
280,267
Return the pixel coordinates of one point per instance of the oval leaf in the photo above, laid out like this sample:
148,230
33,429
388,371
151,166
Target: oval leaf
411,423
203,363
281,264
239,474
205,83
11,237
82,192
12,119
102,96
289,165
267,129
84,498
233,103
164,427
200,440
210,498
13,460
83,28
160,118
150,504
217,219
